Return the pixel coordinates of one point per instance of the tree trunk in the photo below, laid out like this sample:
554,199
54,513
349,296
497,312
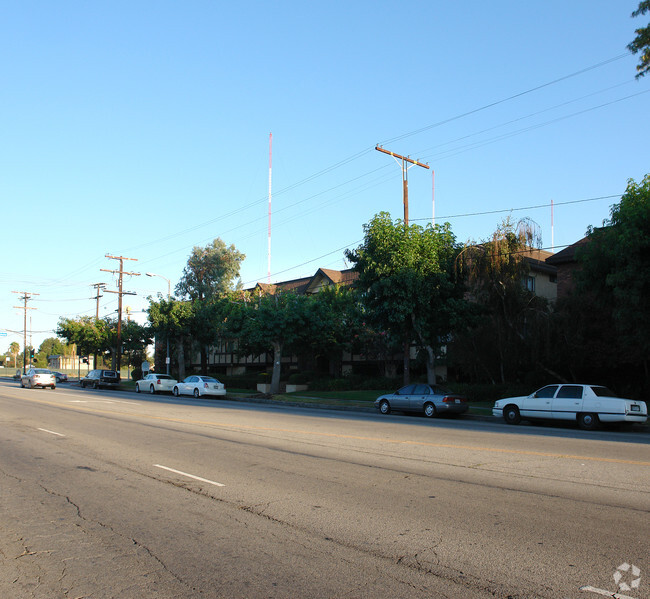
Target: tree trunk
277,367
204,359
431,365
180,349
407,363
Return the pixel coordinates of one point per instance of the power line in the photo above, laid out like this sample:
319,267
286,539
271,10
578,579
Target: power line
522,208
503,100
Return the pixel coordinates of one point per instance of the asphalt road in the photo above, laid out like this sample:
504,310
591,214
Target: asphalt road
110,494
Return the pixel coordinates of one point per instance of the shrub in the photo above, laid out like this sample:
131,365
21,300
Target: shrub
299,378
136,374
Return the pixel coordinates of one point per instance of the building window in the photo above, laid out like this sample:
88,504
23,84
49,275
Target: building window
529,283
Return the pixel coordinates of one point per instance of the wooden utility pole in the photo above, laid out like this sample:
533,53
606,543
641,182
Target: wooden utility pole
120,293
99,287
26,296
405,184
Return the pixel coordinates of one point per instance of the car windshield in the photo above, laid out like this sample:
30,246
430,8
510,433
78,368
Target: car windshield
42,371
603,392
162,376
209,379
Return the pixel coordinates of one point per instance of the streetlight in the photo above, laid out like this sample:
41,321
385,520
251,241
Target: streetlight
169,293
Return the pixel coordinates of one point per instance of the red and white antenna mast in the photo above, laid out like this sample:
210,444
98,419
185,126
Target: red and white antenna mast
270,171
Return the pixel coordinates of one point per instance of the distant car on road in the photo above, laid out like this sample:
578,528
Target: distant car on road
155,383
588,405
199,386
101,378
38,377
430,400
60,377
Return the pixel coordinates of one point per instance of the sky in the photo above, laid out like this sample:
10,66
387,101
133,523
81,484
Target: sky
141,129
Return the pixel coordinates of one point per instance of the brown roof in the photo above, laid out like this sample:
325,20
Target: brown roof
568,254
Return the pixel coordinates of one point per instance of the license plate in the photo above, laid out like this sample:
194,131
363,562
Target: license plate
457,401
635,408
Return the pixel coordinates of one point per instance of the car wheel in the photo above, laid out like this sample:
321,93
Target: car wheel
22,385
53,387
384,407
511,414
587,421
430,410
196,392
137,388
152,390
175,392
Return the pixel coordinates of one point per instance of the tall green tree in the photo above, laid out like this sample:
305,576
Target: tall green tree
172,318
408,283
615,270
212,271
641,42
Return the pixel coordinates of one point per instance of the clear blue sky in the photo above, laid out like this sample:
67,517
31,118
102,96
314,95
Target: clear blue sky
142,128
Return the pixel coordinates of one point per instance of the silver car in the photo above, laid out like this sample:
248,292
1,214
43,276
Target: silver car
198,386
38,377
430,400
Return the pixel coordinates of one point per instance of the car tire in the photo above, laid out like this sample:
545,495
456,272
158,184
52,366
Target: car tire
22,385
197,393
137,388
175,392
588,421
152,390
430,410
384,407
511,414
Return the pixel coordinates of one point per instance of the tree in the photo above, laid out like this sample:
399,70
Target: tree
641,42
89,334
407,282
210,272
173,319
502,342
270,322
615,271
14,349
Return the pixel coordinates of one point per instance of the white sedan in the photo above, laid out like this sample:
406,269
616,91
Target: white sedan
585,404
199,386
155,383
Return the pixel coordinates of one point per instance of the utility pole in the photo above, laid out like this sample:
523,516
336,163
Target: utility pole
26,296
120,293
99,287
405,184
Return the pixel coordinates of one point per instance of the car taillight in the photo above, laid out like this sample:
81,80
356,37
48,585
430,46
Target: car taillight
453,399
157,381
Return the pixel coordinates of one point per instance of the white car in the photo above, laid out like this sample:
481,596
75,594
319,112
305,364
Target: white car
38,377
198,386
585,404
155,383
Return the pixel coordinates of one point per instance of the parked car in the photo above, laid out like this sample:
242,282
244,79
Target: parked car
38,377
60,377
588,405
430,400
155,383
198,386
101,378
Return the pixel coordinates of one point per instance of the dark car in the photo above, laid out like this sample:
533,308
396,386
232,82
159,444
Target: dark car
60,377
101,378
430,400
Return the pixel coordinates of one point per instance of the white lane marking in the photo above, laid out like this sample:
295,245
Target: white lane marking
130,403
205,480
51,432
